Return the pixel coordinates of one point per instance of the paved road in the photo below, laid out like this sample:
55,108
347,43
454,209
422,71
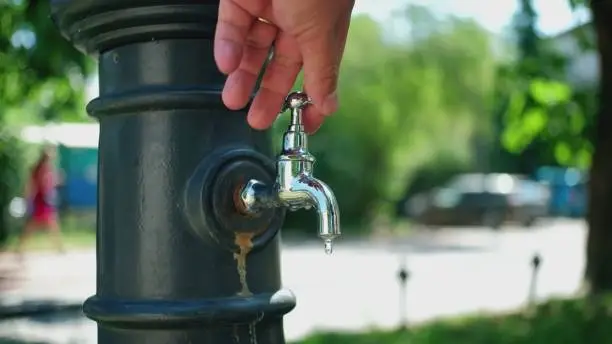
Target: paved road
451,272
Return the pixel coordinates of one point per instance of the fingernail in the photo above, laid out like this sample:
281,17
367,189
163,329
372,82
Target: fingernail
330,105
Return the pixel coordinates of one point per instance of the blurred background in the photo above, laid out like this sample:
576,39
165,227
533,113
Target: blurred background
461,158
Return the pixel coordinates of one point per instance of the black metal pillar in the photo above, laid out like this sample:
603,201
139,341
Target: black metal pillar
176,262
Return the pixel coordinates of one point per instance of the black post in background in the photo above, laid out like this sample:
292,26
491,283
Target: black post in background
176,263
536,262
403,275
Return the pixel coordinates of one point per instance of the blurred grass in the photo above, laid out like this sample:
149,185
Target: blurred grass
578,321
78,232
41,241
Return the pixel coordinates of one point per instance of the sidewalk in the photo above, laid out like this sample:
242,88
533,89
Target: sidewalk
45,282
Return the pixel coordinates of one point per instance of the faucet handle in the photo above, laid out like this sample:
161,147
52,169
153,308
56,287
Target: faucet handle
296,101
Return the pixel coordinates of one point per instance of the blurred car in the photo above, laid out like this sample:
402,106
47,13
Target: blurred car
482,200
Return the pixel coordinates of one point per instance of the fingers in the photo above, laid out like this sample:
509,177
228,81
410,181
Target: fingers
322,47
233,26
313,119
277,81
342,29
321,65
241,82
241,48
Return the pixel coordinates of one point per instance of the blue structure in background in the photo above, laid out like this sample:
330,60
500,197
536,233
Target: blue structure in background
568,190
79,168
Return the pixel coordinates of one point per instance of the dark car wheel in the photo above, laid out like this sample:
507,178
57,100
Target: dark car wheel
492,219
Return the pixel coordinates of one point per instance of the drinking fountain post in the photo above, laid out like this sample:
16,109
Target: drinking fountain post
176,261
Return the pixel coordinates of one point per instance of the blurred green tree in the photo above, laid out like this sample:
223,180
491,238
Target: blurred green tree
42,78
580,127
542,120
12,171
405,101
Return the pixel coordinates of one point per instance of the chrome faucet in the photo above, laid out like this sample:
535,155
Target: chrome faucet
296,187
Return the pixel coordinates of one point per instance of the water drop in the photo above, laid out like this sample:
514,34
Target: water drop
328,246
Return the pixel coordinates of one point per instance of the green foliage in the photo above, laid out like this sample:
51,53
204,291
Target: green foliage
403,102
560,321
11,178
42,76
543,116
548,111
524,23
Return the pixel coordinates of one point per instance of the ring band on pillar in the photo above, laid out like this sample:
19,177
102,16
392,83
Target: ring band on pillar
265,21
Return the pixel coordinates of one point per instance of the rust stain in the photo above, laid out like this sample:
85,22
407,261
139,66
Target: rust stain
236,334
253,333
244,241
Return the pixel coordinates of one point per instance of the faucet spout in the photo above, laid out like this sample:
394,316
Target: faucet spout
300,192
306,192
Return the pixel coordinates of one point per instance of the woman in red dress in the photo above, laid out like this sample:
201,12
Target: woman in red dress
40,193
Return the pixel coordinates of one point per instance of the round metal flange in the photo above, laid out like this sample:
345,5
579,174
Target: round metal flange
226,197
211,198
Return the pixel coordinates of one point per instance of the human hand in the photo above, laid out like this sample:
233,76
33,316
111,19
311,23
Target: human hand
305,33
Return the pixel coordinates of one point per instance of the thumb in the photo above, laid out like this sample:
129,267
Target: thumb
321,63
